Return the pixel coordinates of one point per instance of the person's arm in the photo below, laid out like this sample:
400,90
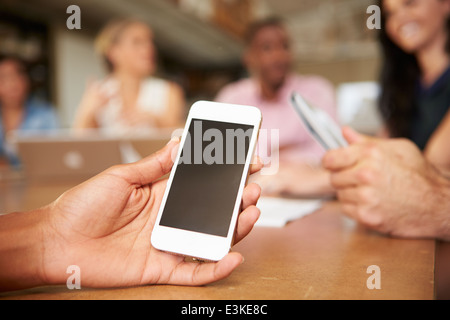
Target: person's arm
21,249
171,117
175,109
440,204
93,99
437,150
296,179
104,227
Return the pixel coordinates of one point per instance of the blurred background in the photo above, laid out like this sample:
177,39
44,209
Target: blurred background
199,45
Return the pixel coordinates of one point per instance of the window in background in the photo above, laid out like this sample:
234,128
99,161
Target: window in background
357,106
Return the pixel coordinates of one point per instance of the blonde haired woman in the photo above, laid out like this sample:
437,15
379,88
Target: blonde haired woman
129,99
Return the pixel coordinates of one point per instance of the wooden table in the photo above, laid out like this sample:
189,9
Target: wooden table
321,256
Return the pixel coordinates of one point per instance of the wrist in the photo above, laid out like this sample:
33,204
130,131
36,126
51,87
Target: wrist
21,250
440,205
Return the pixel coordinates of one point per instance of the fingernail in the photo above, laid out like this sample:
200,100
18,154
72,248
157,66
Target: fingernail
174,139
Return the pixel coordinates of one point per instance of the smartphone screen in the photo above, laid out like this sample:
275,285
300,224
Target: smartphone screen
205,185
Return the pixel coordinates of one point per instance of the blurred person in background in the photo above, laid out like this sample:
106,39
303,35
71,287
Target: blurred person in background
415,78
268,59
19,110
129,99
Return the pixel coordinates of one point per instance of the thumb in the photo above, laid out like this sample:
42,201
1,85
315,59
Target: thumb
352,136
151,168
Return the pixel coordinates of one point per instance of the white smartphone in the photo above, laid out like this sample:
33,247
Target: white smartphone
201,204
321,126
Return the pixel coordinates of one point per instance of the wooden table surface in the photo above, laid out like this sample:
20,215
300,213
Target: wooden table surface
321,256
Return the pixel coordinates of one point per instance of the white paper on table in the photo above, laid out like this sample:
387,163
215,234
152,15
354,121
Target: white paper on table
277,212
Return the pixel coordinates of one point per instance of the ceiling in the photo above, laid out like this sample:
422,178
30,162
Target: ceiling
321,31
186,37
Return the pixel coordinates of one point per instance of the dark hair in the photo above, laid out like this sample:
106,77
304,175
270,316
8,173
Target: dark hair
399,78
258,25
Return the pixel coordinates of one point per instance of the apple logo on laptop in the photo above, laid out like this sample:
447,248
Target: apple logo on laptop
73,160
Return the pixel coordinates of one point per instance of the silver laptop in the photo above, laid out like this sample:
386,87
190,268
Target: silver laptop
64,156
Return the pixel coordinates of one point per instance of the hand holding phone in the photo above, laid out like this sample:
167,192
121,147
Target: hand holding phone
104,225
202,200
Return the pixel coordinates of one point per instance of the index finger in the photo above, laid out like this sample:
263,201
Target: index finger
346,157
342,158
